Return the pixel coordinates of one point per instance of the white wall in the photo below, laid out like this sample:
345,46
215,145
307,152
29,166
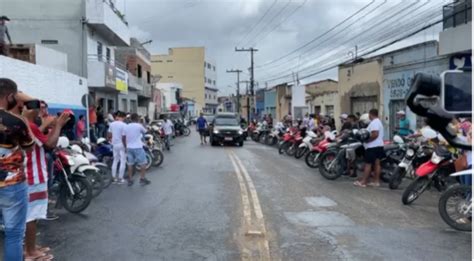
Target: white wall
456,39
50,58
45,83
98,12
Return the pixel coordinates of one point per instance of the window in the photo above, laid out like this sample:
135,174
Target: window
205,79
99,51
205,64
107,54
213,68
157,61
169,61
49,41
148,77
209,81
205,95
139,71
170,76
213,82
208,66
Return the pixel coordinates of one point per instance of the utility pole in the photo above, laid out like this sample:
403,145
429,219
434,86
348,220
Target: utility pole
252,81
238,87
248,99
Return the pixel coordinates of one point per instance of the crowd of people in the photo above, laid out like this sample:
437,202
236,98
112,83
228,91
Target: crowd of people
28,136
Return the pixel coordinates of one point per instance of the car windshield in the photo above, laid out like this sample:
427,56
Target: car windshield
226,122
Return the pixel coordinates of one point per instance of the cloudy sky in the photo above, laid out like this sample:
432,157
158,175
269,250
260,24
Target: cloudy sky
277,28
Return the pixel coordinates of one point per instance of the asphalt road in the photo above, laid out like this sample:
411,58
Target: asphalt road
249,203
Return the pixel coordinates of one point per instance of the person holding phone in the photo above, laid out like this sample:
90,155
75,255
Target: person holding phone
15,140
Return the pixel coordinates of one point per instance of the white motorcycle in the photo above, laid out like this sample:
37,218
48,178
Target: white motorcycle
83,165
306,145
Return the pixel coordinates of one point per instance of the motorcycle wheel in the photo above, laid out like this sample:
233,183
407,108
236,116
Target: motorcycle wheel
291,150
415,189
388,168
325,160
106,175
157,157
284,147
268,140
261,138
456,200
82,195
186,131
311,159
96,181
397,178
300,152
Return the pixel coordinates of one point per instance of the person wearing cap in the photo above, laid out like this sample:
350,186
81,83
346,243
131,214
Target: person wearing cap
403,128
4,34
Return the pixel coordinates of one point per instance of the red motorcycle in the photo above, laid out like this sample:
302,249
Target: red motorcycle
434,172
312,158
291,140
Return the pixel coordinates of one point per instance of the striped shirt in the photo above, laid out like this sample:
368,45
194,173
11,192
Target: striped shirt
36,164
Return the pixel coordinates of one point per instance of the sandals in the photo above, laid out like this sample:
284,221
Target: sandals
43,257
373,184
359,184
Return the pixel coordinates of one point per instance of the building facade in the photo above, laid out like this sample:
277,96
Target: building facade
210,99
260,103
88,33
399,69
170,95
189,67
283,101
322,97
270,102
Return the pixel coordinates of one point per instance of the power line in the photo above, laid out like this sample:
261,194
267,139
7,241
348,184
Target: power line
317,37
282,21
271,20
259,21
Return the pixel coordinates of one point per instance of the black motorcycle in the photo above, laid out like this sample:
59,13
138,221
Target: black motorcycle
181,129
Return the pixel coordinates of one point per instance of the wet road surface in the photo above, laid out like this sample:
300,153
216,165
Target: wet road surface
249,203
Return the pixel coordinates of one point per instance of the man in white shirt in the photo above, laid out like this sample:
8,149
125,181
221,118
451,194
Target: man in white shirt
134,147
116,134
168,130
374,151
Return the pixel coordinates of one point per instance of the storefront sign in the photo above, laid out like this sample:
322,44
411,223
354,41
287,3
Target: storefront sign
399,85
121,81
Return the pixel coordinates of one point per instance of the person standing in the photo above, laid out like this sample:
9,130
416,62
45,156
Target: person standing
80,128
168,130
37,179
115,135
306,121
403,128
201,127
4,34
15,139
92,123
373,151
134,147
101,127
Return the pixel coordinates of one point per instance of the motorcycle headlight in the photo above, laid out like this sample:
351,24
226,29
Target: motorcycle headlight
435,158
216,132
70,161
410,153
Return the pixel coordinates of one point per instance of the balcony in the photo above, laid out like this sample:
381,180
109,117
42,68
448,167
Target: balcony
102,16
101,74
146,92
457,28
135,83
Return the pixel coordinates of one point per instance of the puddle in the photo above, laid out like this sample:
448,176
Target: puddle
321,202
319,218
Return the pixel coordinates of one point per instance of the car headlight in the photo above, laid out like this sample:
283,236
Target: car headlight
216,132
70,161
241,132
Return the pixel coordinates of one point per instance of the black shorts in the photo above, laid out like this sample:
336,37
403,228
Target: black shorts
373,154
203,132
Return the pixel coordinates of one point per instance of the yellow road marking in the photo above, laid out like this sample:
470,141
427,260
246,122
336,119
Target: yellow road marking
260,232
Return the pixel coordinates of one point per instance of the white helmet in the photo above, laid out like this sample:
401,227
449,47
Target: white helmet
101,140
365,118
63,142
76,148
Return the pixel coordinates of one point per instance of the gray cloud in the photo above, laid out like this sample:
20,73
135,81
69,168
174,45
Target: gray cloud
220,24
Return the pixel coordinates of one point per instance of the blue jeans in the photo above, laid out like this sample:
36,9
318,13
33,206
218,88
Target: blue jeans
14,204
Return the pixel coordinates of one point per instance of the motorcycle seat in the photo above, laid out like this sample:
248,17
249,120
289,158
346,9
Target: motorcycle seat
388,147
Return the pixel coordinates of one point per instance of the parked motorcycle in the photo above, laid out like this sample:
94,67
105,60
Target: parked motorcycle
307,143
333,162
291,140
455,204
71,186
153,150
312,158
83,165
434,172
416,154
276,134
181,129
